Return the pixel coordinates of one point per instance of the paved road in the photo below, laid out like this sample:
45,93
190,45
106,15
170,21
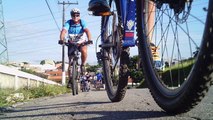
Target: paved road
137,104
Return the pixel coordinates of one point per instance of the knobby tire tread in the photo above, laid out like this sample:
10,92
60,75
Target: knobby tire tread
74,73
119,94
200,79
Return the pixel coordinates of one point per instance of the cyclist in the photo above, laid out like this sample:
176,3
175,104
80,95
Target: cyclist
85,82
99,77
76,27
98,81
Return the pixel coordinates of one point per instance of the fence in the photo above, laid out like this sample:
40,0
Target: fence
13,78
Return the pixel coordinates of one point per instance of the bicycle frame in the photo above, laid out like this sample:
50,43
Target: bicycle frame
128,20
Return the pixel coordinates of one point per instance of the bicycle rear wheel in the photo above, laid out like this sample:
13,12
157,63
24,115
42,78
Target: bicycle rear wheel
115,58
181,36
74,78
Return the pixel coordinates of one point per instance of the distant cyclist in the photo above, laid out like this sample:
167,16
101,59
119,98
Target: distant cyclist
76,27
99,77
85,82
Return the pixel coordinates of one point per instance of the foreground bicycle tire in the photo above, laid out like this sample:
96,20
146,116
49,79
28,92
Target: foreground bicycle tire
182,92
74,78
115,58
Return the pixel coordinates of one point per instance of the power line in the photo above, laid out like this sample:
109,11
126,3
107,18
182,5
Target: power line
35,34
32,17
39,21
31,50
28,38
29,34
34,22
38,16
52,15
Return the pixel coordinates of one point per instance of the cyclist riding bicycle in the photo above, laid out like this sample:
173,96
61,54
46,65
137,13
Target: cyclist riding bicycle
99,77
76,27
85,82
99,80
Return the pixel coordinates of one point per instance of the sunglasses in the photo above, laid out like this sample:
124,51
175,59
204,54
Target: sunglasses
75,15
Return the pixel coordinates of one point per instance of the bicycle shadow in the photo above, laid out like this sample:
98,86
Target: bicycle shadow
36,112
103,115
52,106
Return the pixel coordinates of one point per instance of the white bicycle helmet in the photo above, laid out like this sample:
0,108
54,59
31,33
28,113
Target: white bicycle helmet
74,11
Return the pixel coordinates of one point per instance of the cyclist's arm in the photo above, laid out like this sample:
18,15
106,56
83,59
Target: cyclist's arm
86,30
64,30
63,33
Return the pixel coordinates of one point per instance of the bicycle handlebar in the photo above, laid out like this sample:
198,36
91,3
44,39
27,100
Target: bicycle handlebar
75,43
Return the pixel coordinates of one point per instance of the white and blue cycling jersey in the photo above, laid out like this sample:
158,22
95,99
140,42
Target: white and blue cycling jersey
75,30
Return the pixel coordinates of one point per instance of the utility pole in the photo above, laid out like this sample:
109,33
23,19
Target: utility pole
63,46
3,42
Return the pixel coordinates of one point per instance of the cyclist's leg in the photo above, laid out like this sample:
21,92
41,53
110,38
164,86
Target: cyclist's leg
150,27
151,19
69,71
83,58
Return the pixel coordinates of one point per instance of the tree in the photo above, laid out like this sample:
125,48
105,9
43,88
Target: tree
135,71
92,68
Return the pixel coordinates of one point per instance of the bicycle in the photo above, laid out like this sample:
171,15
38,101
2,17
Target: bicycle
85,84
74,74
98,85
184,82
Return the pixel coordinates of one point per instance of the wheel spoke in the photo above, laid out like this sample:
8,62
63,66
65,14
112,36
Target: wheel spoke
175,38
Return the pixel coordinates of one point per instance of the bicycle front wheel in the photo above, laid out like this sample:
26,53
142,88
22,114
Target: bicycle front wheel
175,45
74,78
115,58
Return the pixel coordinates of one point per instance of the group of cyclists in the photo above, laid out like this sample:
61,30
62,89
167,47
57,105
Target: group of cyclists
87,79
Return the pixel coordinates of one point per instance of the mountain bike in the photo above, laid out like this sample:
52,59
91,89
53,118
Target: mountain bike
181,34
74,67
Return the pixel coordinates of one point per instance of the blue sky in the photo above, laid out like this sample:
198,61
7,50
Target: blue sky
32,34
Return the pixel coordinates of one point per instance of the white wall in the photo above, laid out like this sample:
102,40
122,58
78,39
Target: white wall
13,78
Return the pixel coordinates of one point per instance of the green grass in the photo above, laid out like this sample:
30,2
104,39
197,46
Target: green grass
42,91
178,73
184,64
182,70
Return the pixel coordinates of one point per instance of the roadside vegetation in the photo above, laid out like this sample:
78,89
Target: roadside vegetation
9,97
138,77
